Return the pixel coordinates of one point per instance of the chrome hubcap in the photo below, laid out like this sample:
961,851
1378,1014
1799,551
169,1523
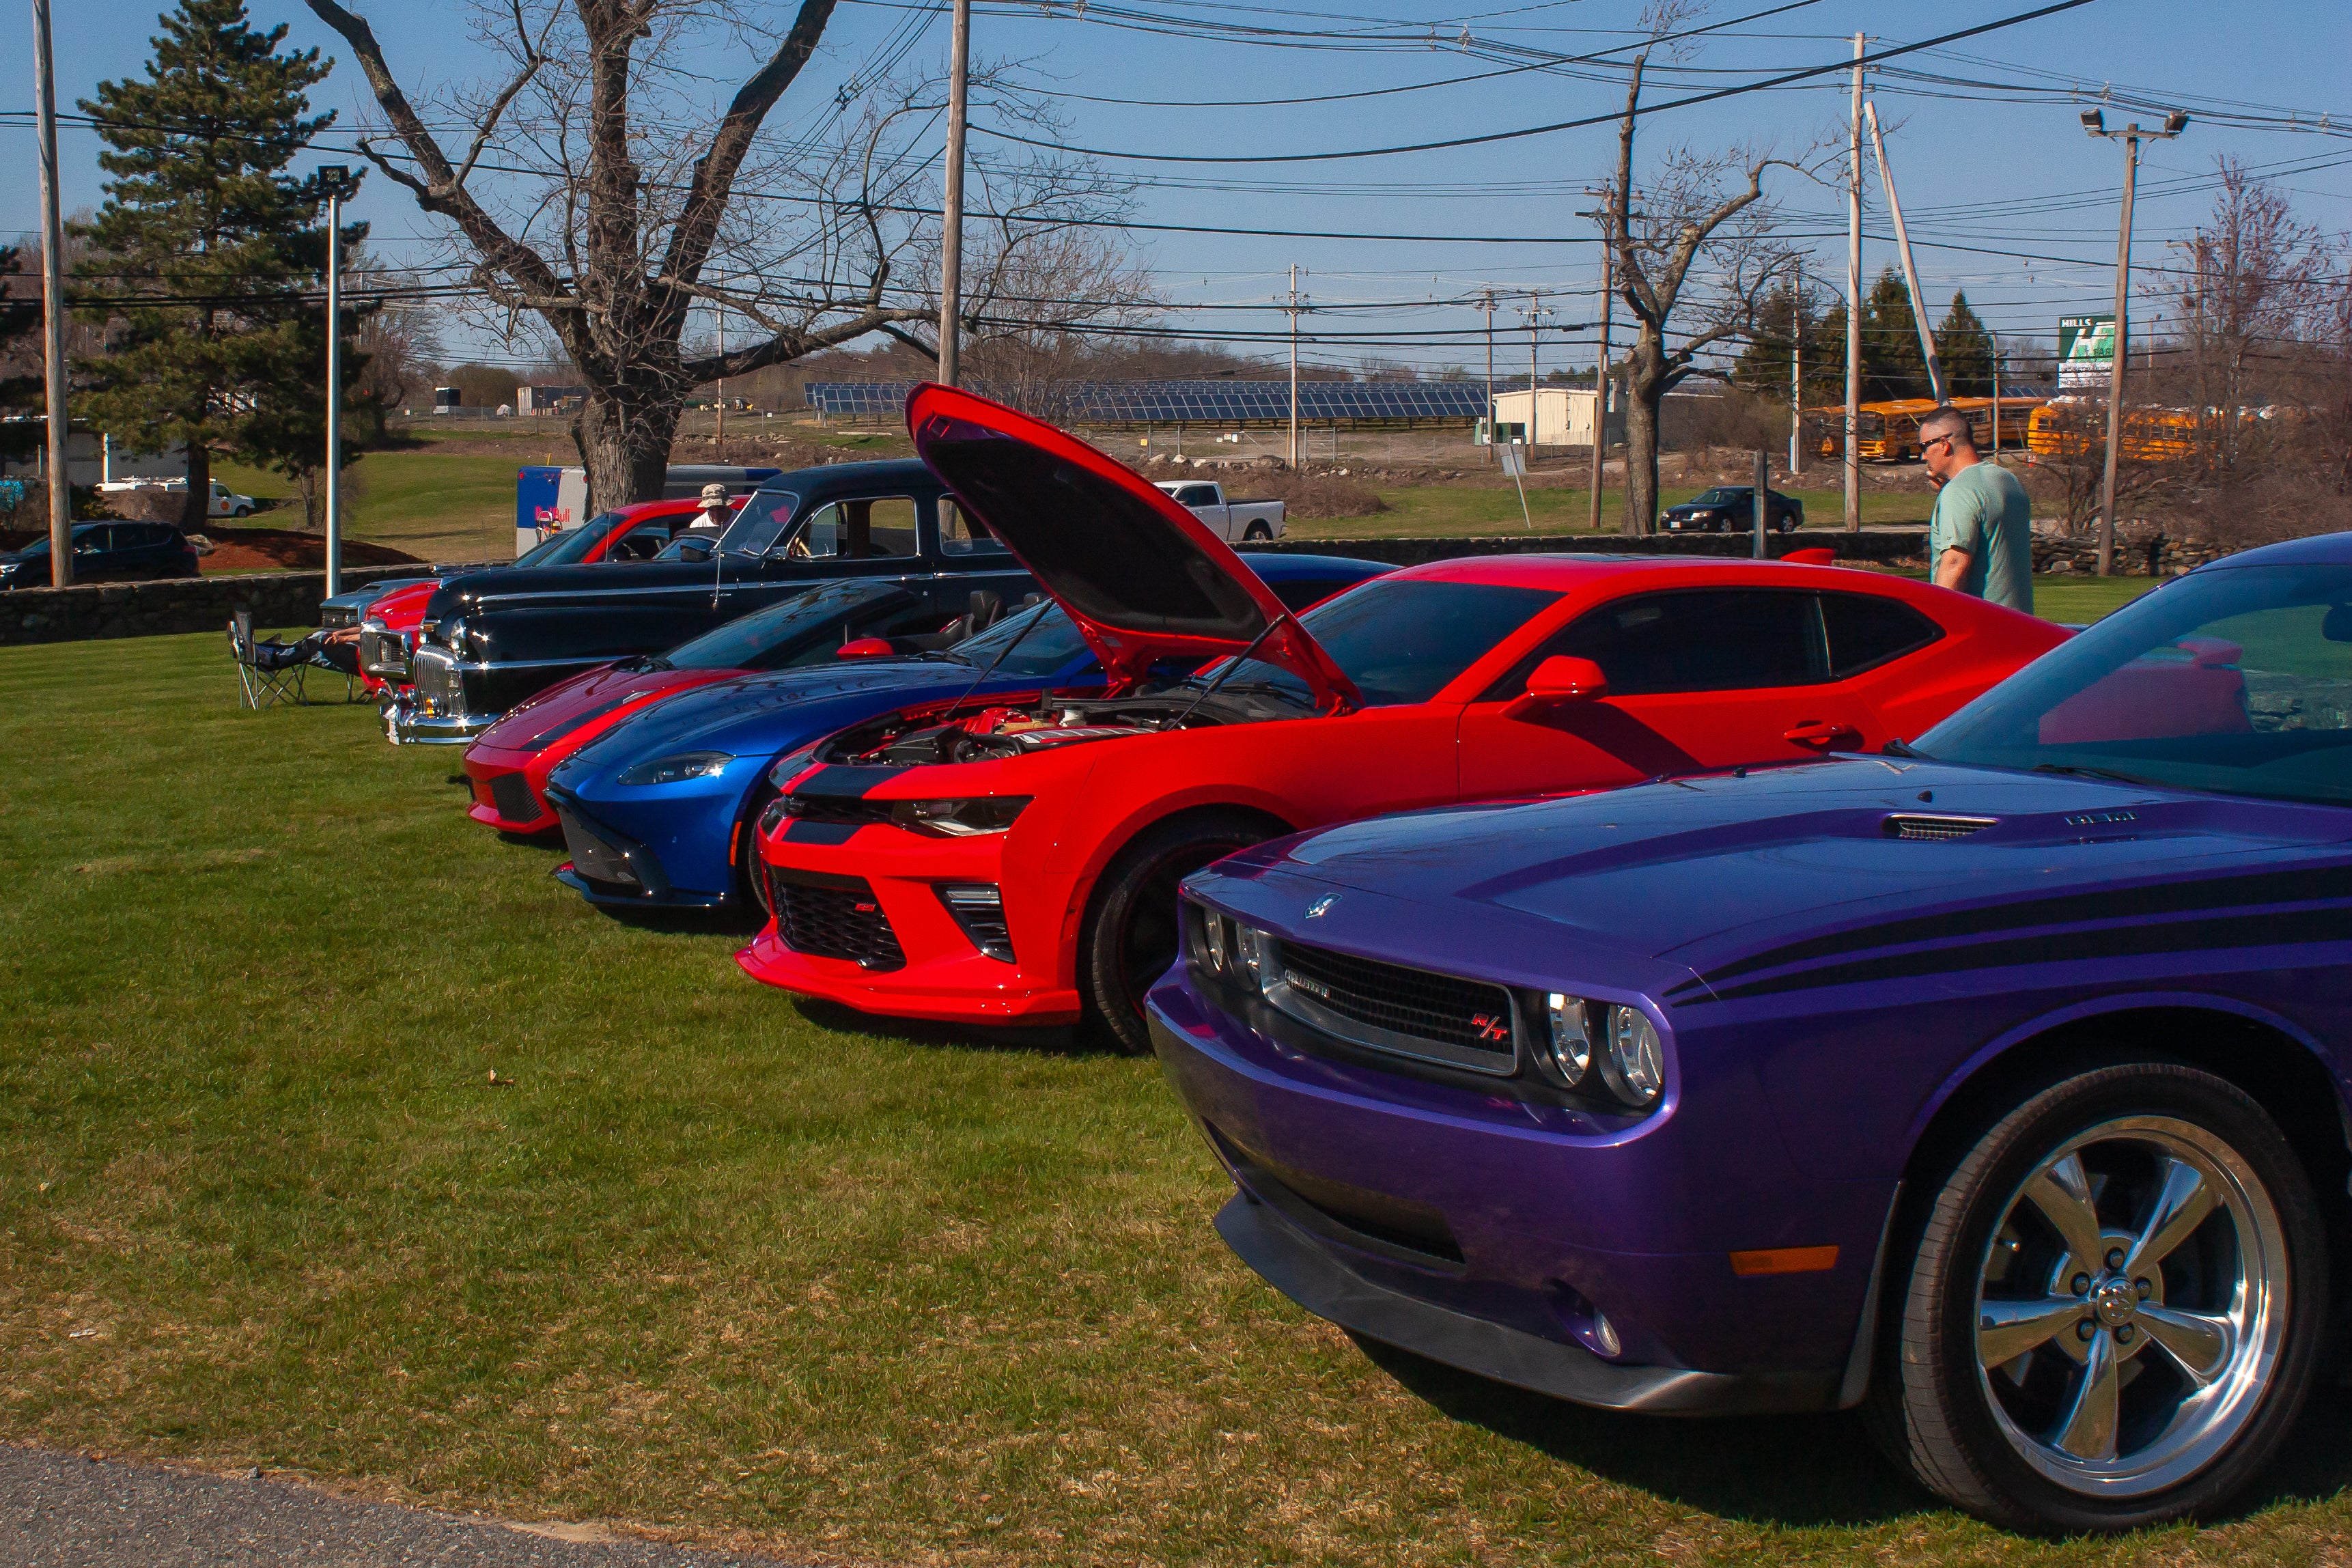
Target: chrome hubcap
2131,1306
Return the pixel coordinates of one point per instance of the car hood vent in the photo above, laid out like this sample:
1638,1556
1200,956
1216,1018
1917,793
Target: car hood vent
1911,824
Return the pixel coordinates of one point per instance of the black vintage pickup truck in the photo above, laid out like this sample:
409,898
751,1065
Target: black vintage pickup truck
490,639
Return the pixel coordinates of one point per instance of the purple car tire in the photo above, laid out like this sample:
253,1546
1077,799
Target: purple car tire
2114,1309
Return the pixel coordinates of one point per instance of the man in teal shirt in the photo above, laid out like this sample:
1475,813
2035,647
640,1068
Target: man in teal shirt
1980,539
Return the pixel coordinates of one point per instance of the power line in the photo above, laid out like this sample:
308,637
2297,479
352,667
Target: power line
1719,93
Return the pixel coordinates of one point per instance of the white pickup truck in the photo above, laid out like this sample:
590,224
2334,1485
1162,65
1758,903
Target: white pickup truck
1233,521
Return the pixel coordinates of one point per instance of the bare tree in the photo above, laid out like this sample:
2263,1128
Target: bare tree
1043,309
400,335
2253,276
1698,207
613,218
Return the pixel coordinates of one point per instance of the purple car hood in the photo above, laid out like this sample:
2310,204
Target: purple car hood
1704,872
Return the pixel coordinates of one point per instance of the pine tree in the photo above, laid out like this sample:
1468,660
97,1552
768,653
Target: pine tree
1891,365
1966,350
204,247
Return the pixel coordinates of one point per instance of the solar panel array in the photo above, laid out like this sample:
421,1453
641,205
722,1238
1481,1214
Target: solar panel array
1193,402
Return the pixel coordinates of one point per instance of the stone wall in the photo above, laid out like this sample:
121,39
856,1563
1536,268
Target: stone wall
1881,546
2140,552
183,605
291,598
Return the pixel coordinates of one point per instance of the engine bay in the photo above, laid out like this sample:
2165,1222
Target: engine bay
996,728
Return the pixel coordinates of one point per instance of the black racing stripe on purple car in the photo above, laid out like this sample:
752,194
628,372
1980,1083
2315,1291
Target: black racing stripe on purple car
840,781
2064,908
797,831
2280,929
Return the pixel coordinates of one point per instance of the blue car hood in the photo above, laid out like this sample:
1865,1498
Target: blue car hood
782,703
1704,872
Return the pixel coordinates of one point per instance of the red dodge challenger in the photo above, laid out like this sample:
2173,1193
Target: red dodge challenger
1016,859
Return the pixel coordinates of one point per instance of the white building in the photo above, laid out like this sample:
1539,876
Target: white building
1563,417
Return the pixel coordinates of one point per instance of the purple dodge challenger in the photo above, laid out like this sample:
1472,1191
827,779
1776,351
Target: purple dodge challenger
1997,1082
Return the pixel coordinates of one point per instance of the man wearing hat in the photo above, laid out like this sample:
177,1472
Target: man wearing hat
716,514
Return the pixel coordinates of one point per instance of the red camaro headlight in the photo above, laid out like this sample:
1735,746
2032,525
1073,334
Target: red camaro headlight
959,818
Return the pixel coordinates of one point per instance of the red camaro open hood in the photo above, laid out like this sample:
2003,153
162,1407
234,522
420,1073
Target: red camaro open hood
1142,576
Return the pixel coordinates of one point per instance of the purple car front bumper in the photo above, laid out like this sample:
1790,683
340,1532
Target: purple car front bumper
1557,1252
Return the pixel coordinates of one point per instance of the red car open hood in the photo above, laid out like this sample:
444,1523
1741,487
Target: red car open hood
1142,576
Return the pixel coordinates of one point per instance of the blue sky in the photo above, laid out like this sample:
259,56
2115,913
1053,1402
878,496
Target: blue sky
2006,197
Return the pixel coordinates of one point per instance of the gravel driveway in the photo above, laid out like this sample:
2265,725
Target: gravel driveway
64,1511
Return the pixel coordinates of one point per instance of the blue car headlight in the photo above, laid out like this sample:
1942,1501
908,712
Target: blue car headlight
676,769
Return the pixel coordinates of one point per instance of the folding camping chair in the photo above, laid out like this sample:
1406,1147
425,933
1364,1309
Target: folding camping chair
274,671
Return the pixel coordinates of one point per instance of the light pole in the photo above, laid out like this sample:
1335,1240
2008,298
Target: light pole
53,305
338,178
2130,136
951,220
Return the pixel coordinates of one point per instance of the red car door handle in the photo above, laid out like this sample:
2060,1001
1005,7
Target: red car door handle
1816,733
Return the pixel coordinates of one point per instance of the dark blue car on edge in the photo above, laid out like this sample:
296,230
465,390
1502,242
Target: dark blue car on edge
658,811
1998,1083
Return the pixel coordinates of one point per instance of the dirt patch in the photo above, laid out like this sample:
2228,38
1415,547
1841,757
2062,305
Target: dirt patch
285,550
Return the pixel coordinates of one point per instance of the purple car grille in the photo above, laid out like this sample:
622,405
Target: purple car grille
833,917
1468,1015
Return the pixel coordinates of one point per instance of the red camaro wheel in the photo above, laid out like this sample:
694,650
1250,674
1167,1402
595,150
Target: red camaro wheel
1130,937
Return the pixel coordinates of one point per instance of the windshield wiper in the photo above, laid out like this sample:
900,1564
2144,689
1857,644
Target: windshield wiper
2108,773
1898,749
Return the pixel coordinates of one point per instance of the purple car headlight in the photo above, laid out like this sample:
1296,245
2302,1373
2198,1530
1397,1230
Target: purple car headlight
1568,1038
1635,1065
1603,1046
1227,950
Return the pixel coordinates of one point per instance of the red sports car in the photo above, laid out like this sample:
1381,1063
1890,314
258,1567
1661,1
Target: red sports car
388,631
1017,860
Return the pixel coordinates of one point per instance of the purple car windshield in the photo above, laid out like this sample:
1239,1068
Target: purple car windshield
2236,681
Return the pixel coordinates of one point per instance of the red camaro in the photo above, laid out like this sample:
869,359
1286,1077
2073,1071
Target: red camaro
1017,860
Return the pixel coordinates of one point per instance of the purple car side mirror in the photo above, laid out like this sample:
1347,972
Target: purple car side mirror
1555,683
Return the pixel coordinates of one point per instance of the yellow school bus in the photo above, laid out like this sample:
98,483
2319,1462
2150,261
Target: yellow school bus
2075,427
1889,432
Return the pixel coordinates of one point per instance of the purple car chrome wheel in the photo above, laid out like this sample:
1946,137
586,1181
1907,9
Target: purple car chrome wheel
2116,1305
2131,1306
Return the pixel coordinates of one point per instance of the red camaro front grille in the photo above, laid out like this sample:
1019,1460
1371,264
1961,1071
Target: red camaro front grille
833,917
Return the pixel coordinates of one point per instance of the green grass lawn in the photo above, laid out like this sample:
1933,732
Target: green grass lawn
436,506
703,1261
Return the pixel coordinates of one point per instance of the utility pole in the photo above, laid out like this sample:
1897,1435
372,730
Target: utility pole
53,304
951,220
1797,371
1294,366
2130,136
1853,309
722,377
338,174
1487,304
1535,312
1902,244
1993,340
1601,379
